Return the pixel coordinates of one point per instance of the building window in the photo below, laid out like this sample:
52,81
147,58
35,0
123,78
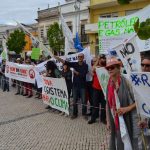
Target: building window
129,12
109,15
42,33
69,25
82,29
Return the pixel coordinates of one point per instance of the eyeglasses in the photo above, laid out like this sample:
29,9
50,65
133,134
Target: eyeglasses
80,56
145,65
110,68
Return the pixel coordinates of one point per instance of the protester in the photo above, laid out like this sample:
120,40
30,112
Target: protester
52,71
98,96
89,88
1,75
39,90
145,123
67,74
79,83
28,86
118,83
5,79
19,84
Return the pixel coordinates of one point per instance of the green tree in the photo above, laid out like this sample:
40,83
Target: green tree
123,2
55,37
143,29
16,41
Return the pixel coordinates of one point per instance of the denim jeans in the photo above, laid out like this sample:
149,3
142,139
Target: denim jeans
79,93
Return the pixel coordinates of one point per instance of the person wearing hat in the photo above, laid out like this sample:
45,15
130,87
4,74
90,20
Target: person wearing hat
127,109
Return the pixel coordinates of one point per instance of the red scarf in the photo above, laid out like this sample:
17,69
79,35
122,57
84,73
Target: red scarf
112,101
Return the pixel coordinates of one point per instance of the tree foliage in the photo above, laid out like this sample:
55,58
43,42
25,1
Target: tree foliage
16,41
55,37
143,29
123,2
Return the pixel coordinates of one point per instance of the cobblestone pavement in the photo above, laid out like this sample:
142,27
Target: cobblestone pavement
25,124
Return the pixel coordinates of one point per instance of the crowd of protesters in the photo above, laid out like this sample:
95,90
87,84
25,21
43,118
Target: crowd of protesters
89,91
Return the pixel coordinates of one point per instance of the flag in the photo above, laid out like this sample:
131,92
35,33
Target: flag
69,43
36,42
77,43
5,50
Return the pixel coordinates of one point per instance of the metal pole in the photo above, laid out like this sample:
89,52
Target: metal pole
79,19
76,16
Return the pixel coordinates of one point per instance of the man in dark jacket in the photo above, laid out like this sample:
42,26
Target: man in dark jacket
79,83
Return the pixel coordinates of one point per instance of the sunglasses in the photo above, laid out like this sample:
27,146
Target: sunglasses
145,65
110,68
80,56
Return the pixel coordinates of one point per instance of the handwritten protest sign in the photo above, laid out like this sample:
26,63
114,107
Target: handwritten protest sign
113,31
54,93
103,78
129,54
21,72
141,84
35,53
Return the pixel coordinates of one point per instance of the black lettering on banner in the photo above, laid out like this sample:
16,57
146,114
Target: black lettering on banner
130,64
124,52
130,48
127,49
144,79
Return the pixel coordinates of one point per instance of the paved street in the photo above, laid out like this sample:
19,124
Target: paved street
25,124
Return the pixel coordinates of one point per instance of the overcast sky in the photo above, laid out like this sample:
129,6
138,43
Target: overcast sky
24,11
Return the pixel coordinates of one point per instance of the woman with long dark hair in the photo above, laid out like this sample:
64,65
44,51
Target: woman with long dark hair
67,74
52,71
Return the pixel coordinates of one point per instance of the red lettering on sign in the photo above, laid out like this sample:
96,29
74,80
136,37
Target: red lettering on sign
48,82
12,69
23,71
45,97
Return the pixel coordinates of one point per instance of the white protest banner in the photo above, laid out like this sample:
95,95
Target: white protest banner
40,68
103,78
123,129
129,54
55,94
141,83
21,72
113,31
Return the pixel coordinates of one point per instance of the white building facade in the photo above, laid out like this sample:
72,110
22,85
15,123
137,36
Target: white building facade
75,13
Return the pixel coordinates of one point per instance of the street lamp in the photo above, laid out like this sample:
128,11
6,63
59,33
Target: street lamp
77,11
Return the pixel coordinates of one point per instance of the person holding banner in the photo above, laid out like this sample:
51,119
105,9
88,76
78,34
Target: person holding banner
5,79
119,84
28,86
98,96
145,123
67,74
19,84
52,71
79,83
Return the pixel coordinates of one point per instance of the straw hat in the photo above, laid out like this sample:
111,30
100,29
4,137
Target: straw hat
112,61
